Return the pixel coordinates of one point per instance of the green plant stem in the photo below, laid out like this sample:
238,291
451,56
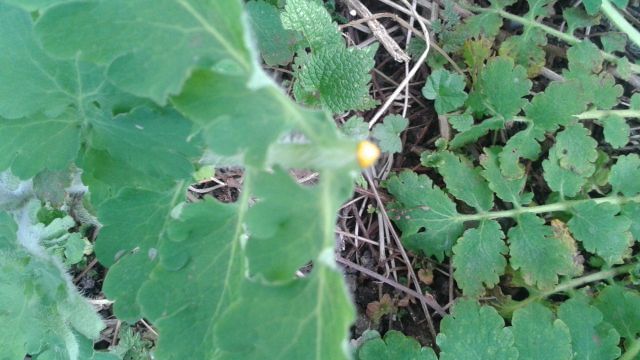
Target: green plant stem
620,22
632,350
549,30
577,282
559,206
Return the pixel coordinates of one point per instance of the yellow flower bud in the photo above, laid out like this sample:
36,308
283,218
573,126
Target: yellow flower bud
367,153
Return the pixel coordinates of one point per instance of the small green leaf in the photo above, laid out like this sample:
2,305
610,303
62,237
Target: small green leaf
503,86
538,336
487,24
576,150
535,251
275,43
310,18
509,190
447,89
388,133
462,122
577,17
394,346
590,336
621,308
462,179
356,128
475,332
616,130
478,258
592,6
624,175
556,106
601,230
521,145
476,131
585,56
562,180
424,213
613,42
337,78
526,49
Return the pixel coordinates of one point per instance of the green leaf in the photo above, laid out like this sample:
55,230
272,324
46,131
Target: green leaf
337,78
33,81
217,103
476,131
475,332
152,141
526,49
509,190
503,86
198,275
463,180
616,130
447,89
601,230
556,106
538,336
134,47
613,42
537,253
424,213
275,43
246,331
394,346
577,17
314,22
487,24
478,258
388,133
286,210
591,338
28,146
624,175
621,308
134,247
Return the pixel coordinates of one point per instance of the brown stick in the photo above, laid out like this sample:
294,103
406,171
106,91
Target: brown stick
379,31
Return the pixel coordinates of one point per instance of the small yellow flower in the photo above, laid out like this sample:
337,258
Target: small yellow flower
367,153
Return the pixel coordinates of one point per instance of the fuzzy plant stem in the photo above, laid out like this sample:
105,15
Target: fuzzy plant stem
620,22
568,38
